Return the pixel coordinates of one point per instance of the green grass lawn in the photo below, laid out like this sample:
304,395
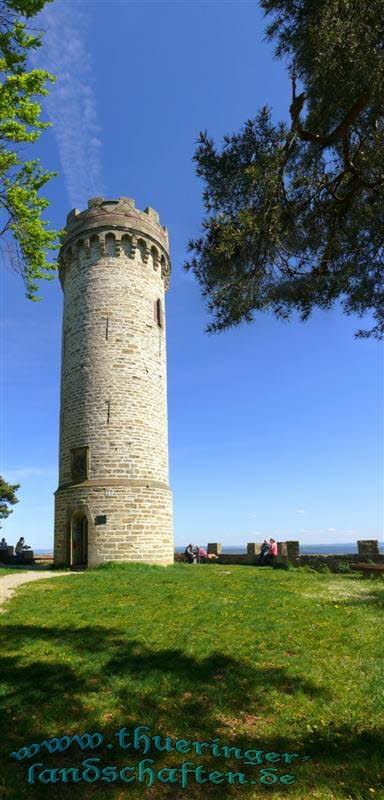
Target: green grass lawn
258,659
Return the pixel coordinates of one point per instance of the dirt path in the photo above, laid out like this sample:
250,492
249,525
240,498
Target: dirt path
9,583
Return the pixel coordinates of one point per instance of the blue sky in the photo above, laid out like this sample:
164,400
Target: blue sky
274,428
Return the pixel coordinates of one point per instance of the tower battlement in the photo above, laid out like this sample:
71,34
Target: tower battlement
114,228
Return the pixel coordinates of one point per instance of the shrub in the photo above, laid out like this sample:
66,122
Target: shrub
344,567
282,565
306,568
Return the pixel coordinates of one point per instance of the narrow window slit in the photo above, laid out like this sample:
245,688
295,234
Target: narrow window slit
158,313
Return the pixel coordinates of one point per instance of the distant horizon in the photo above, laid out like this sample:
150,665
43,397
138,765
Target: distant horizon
41,545
303,545
203,540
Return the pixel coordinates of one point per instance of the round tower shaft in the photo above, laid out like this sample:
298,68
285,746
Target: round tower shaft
113,502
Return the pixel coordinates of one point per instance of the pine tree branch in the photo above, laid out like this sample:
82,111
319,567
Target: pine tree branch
334,136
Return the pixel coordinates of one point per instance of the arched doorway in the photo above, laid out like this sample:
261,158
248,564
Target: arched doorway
79,539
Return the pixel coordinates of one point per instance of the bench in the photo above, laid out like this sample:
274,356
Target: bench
368,569
43,560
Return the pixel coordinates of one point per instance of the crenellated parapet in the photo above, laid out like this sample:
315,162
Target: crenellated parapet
114,229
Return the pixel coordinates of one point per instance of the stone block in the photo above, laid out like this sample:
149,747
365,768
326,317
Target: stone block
293,550
214,548
253,548
72,215
368,547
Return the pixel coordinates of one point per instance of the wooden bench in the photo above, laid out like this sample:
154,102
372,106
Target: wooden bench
44,557
368,569
41,560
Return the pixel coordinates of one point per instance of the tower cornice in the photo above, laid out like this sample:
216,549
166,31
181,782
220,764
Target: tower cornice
121,220
120,213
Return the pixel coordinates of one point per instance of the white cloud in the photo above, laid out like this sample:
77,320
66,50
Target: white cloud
71,104
24,473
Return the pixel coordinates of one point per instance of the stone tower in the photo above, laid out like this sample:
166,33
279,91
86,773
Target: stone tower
113,502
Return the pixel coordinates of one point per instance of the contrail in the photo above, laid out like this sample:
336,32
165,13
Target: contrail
71,104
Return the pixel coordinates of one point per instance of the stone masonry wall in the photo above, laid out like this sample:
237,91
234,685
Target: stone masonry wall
114,270
368,550
139,523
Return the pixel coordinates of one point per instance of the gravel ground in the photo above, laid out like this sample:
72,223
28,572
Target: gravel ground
9,583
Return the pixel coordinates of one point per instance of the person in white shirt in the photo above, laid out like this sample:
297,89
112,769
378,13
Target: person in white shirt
20,547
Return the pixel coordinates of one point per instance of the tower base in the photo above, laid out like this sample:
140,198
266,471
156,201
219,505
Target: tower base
113,520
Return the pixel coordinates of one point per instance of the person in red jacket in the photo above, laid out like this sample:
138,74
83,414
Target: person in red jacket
272,550
202,554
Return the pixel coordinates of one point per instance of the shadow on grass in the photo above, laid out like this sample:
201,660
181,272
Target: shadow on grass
25,567
374,598
175,694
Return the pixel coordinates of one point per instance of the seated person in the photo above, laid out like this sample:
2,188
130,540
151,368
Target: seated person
20,547
263,555
189,554
272,551
202,553
3,550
